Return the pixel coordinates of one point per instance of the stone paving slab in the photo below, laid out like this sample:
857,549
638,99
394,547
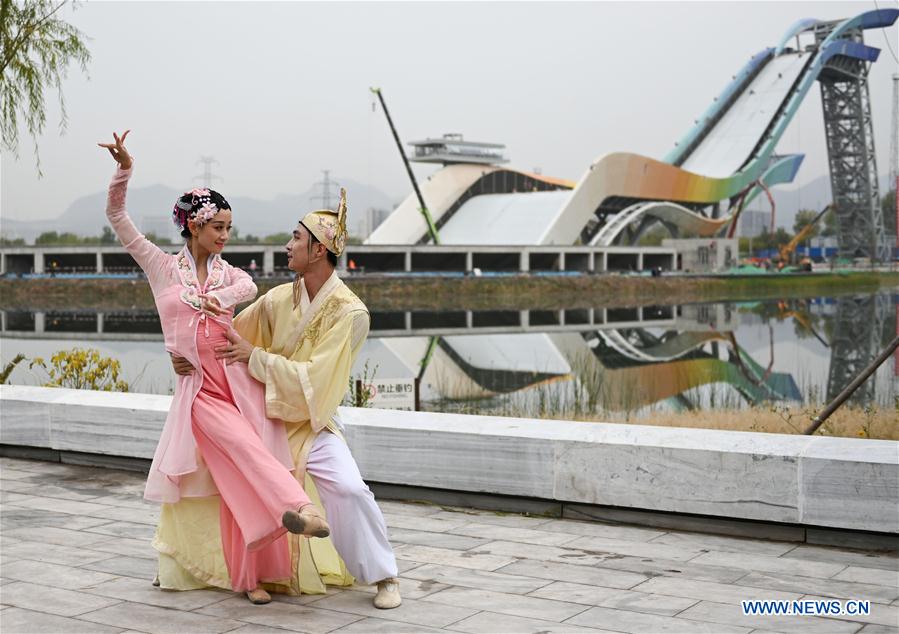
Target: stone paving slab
888,578
604,560
439,540
478,579
610,598
879,629
596,529
724,544
122,546
591,575
56,601
143,618
886,615
76,557
845,556
19,620
825,587
53,553
723,615
125,566
505,624
638,623
764,563
304,618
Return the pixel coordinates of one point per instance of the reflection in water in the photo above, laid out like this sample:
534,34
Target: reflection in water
574,362
861,328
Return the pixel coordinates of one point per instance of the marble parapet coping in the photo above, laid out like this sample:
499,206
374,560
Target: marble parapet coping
848,483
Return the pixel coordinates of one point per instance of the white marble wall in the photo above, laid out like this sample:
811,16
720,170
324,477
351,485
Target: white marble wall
819,481
108,423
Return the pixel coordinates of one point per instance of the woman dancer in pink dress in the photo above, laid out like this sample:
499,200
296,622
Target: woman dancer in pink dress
216,438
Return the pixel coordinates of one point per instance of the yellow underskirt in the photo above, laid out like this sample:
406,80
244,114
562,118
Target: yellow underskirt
188,539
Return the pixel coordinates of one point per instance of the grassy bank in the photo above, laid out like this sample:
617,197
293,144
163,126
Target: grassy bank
480,293
851,421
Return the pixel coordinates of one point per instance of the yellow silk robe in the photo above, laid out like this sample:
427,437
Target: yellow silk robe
304,356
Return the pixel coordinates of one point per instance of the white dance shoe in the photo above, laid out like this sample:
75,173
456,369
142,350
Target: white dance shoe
388,596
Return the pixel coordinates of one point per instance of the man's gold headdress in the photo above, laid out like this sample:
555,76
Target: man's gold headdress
329,227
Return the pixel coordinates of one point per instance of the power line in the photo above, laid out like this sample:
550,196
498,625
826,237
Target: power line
889,46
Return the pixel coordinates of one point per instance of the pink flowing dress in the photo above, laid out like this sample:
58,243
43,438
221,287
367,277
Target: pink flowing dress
216,438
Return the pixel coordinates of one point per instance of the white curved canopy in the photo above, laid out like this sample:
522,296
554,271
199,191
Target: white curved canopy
503,219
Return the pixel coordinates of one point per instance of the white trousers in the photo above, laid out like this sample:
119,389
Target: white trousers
358,529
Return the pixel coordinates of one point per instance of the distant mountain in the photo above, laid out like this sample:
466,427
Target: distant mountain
151,207
815,194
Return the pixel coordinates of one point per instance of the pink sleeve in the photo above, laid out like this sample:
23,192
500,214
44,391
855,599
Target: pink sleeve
148,256
241,289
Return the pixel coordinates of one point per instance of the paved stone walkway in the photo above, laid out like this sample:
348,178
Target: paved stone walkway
76,557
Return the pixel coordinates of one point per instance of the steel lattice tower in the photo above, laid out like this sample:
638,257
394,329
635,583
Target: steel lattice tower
862,326
207,176
326,183
850,149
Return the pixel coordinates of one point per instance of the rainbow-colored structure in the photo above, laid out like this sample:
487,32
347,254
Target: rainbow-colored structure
726,159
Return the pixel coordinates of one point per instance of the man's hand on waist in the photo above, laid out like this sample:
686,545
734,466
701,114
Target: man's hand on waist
238,350
181,365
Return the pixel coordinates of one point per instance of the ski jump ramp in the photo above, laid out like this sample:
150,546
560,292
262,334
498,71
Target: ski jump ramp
725,159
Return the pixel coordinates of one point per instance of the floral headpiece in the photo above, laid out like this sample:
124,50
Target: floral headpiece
329,227
200,209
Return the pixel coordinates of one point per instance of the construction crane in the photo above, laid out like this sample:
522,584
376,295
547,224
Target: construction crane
432,228
786,251
802,318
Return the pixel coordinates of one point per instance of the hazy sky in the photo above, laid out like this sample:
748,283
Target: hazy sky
278,91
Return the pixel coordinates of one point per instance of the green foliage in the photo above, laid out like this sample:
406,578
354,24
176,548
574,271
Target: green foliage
12,242
363,396
888,206
36,49
829,221
827,227
4,376
52,237
152,237
745,244
82,369
805,217
767,240
108,237
67,237
278,238
654,237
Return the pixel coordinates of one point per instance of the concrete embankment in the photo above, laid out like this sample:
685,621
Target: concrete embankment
788,487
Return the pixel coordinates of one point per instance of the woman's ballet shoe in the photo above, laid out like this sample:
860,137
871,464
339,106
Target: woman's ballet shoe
307,522
259,596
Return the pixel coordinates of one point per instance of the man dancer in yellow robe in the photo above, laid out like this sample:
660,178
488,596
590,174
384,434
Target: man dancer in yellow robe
301,340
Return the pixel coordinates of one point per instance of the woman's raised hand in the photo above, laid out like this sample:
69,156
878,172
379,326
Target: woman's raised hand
118,151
